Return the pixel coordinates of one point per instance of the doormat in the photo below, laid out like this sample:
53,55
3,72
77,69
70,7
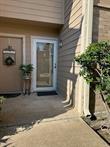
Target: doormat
46,93
10,95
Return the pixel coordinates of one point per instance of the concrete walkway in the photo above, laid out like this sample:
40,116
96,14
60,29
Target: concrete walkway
31,109
44,122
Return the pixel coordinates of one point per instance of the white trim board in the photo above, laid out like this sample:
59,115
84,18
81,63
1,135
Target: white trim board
87,13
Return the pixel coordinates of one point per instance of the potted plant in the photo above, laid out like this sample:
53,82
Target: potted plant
26,70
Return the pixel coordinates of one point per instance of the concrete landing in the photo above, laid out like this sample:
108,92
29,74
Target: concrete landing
33,121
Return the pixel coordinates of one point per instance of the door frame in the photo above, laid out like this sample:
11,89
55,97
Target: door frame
34,39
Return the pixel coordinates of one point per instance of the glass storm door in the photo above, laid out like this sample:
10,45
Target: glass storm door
44,62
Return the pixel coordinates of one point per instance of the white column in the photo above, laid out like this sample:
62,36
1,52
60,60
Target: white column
86,39
89,22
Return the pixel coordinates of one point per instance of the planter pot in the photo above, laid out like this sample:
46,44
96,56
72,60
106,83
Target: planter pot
26,77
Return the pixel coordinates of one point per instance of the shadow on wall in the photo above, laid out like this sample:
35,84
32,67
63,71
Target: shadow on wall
67,70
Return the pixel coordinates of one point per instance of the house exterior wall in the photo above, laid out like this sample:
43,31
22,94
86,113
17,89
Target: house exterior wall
36,10
27,30
71,38
101,27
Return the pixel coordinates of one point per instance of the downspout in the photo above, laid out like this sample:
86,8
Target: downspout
86,40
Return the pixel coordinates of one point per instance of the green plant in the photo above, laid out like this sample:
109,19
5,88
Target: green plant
26,69
95,68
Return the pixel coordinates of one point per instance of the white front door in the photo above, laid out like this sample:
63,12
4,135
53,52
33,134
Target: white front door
44,60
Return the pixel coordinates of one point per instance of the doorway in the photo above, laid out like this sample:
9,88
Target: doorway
44,60
10,79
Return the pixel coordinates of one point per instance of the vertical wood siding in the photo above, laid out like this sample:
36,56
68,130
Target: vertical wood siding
36,10
71,37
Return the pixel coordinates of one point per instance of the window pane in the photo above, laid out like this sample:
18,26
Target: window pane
44,64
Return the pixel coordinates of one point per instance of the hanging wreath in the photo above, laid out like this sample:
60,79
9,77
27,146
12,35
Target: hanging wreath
9,61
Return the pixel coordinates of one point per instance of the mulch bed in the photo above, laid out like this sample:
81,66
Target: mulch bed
96,126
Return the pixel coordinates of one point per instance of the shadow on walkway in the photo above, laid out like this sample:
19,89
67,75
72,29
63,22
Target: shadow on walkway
21,113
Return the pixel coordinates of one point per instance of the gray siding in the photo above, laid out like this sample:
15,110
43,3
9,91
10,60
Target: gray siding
36,10
71,37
